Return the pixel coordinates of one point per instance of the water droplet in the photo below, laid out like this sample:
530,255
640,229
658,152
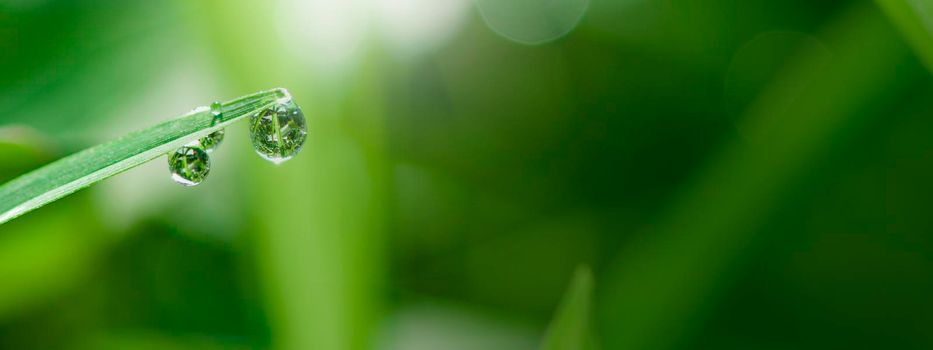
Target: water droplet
212,141
217,109
189,165
279,132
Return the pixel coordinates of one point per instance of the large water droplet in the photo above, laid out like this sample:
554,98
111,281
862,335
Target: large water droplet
279,132
189,165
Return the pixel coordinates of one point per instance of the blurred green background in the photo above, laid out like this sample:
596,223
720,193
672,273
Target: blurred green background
736,174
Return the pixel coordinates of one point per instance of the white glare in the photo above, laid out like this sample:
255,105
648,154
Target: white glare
411,27
328,34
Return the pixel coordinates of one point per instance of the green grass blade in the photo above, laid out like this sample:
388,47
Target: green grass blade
914,18
570,329
82,169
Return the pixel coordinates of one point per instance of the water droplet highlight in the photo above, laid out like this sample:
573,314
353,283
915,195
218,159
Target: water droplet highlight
279,132
189,165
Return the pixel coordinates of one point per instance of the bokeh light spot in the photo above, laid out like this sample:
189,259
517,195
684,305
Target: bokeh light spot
532,22
412,27
325,33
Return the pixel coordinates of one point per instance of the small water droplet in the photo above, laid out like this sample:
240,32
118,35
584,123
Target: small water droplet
217,109
189,165
279,132
212,141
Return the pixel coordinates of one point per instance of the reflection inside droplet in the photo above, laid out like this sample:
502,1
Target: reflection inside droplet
212,141
189,165
279,132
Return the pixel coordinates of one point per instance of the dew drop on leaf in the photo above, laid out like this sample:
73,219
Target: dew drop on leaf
189,165
279,132
212,141
217,109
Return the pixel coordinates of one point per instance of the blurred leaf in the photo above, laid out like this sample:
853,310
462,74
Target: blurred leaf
570,329
44,255
323,267
47,254
441,324
57,55
914,18
661,285
149,339
21,149
87,167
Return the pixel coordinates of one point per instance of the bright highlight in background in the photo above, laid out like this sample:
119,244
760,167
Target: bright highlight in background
532,22
327,34
331,35
412,27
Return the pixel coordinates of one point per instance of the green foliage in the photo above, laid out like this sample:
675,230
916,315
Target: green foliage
94,164
570,328
739,174
915,20
660,284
